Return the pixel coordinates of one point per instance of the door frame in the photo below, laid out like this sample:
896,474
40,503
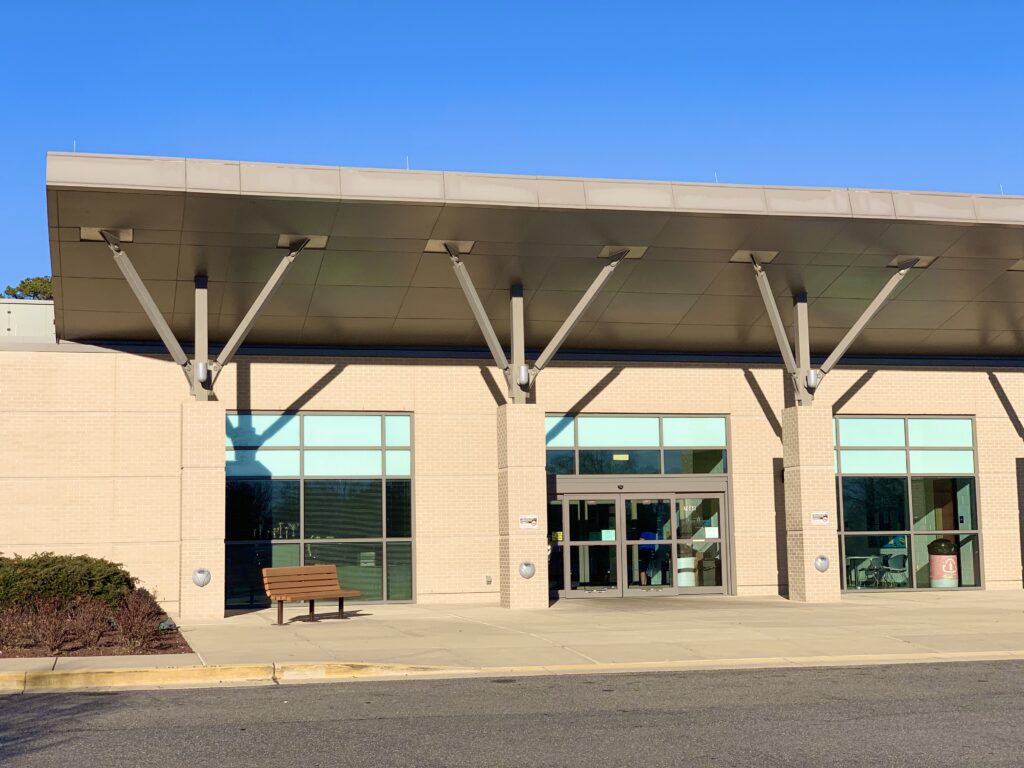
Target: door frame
605,487
568,544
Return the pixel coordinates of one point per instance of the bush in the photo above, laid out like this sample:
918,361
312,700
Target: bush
25,580
138,621
48,625
13,624
90,618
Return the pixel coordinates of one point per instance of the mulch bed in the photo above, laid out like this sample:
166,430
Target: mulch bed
169,641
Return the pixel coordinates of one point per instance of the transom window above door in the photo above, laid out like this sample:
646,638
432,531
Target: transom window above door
636,445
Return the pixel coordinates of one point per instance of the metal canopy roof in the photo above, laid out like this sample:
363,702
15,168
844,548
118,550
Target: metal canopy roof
375,286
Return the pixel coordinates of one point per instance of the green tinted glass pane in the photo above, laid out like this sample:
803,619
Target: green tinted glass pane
874,503
940,433
360,565
871,433
343,463
341,431
625,431
343,509
262,509
399,570
942,462
873,462
262,463
243,571
398,431
398,462
399,508
244,430
561,463
559,431
623,462
696,431
679,462
943,503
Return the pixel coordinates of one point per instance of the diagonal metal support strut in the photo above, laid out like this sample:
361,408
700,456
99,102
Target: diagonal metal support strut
805,378
145,299
247,322
477,308
574,317
865,318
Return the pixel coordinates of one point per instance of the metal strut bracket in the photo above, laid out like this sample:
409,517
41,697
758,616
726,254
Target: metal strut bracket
805,378
519,376
199,371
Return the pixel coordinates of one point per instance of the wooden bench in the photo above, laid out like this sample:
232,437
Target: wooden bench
305,582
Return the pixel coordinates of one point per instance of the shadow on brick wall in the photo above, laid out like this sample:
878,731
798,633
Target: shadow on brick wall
1018,427
781,550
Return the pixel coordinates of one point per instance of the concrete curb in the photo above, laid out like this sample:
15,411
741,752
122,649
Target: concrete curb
313,672
12,682
306,672
149,677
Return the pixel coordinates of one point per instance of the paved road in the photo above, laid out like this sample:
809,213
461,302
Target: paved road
934,715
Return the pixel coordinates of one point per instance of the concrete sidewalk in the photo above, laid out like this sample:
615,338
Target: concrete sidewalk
570,637
625,631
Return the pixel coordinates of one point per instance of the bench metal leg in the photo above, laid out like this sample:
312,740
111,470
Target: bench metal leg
311,616
280,612
341,607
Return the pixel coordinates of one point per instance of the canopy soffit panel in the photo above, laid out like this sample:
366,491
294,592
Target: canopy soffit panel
374,285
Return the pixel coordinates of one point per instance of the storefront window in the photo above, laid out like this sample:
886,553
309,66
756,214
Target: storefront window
306,489
636,445
907,500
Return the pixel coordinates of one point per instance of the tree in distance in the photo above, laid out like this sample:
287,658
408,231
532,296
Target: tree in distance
31,288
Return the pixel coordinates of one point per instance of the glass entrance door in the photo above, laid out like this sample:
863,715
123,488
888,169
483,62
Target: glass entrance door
627,544
699,534
648,544
592,555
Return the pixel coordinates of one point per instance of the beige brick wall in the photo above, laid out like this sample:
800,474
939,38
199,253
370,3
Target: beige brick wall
94,445
90,460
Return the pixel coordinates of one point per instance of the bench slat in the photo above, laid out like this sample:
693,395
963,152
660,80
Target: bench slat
300,582
314,591
301,570
306,596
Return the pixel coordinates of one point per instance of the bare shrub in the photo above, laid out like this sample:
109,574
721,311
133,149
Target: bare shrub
12,627
48,625
138,621
90,619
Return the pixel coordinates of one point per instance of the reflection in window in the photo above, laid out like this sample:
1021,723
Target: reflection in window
343,509
875,503
624,462
262,509
685,462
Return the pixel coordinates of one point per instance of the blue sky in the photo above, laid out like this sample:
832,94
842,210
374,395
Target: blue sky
913,95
